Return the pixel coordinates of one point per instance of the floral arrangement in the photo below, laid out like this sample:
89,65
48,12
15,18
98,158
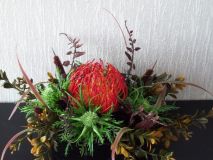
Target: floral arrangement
94,103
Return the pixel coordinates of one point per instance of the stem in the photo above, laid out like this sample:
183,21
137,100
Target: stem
95,129
117,24
82,133
73,58
18,89
132,47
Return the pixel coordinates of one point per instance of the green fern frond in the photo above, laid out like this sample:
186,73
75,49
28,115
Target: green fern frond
87,126
51,96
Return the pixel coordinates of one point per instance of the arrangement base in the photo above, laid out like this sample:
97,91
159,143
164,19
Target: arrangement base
100,153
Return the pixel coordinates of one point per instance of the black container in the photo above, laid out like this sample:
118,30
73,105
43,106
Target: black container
198,148
101,152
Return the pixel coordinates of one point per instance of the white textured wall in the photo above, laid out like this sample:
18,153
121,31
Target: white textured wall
177,33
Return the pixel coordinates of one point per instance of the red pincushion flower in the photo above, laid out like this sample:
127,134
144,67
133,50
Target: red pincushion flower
102,85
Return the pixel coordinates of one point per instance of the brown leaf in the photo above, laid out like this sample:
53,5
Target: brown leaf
162,77
129,63
66,63
59,65
135,78
79,45
128,55
129,49
147,75
69,53
76,41
161,97
78,54
137,48
133,66
3,75
7,85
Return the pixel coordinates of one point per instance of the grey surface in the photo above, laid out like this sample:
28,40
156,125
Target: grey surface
177,33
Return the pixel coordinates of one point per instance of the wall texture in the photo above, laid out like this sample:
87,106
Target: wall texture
177,33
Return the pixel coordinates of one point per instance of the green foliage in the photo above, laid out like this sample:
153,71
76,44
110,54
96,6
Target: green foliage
86,126
28,110
65,83
137,99
51,95
62,118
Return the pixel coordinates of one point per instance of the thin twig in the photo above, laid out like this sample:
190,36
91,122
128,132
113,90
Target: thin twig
132,47
118,25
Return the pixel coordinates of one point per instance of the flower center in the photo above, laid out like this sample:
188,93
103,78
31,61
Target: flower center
89,118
